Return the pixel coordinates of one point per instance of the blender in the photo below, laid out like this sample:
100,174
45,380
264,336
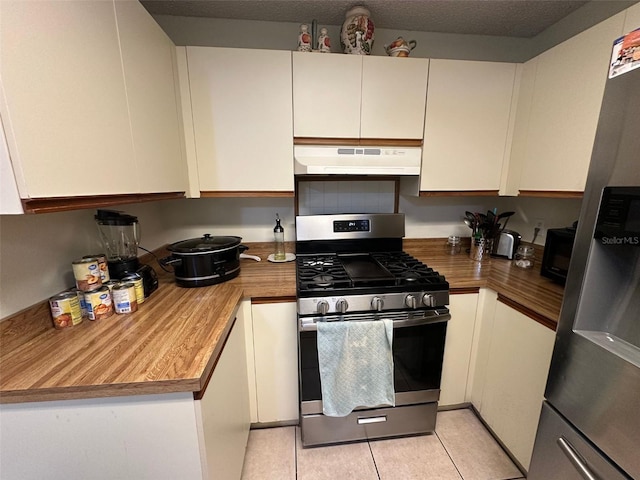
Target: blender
120,236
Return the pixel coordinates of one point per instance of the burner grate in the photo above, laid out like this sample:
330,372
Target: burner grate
325,273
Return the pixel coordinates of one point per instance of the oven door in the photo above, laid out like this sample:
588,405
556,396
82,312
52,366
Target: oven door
418,349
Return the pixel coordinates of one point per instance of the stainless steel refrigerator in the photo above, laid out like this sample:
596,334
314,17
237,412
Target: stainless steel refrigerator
590,422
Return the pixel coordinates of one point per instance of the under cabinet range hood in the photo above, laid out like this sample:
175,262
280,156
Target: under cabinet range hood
356,160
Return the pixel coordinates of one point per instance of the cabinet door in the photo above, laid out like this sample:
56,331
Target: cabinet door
275,340
466,124
223,411
568,91
148,57
457,349
9,196
242,118
66,109
394,92
326,95
516,375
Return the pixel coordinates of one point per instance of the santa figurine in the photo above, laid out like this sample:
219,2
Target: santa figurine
324,43
304,39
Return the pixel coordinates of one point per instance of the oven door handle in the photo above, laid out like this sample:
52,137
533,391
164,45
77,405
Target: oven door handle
434,316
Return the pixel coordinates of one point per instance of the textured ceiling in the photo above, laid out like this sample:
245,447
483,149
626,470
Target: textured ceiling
511,18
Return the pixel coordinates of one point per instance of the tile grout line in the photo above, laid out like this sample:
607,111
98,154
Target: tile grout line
375,465
295,451
448,454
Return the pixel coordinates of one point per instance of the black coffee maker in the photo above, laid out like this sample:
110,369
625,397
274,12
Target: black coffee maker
120,237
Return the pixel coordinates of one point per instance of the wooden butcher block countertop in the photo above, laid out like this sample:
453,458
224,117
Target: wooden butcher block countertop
171,344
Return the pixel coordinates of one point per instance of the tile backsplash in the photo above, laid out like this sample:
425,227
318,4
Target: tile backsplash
327,197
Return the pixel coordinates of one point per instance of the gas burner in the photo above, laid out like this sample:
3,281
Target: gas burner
323,280
409,276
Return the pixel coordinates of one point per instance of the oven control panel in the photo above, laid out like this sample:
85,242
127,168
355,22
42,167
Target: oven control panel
372,303
342,226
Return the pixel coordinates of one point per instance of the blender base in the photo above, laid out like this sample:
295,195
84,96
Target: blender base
118,268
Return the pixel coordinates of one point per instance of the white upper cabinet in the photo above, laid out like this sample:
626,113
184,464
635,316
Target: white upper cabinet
89,105
9,195
565,105
394,92
66,114
353,96
466,126
148,57
326,95
242,118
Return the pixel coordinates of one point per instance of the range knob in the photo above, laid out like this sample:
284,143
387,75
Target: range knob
342,305
377,303
428,300
411,301
322,307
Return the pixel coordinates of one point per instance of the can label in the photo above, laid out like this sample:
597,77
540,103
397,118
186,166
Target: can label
103,266
65,310
137,283
80,296
99,304
87,274
124,298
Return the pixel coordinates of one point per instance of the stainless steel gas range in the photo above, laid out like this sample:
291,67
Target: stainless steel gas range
352,268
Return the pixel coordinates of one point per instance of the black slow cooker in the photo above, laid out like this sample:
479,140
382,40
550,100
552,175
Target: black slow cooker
203,261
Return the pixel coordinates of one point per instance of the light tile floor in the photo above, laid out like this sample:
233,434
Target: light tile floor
461,448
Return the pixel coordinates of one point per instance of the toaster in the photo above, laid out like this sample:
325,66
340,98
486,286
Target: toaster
506,244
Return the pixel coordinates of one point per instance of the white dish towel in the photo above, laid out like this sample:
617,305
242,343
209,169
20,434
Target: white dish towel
356,365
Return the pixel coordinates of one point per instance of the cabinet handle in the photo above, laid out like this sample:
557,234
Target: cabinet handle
365,420
576,459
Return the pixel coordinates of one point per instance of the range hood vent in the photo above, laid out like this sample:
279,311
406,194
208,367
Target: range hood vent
350,160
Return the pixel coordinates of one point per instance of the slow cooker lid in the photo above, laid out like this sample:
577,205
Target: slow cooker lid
205,244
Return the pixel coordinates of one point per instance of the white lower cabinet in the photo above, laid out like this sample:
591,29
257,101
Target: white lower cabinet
223,412
145,437
457,350
513,378
275,342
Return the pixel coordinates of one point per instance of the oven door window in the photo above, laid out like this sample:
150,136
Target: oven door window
417,359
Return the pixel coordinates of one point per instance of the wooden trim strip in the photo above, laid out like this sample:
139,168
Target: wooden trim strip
541,319
265,300
359,142
550,194
464,290
247,194
199,394
459,193
62,204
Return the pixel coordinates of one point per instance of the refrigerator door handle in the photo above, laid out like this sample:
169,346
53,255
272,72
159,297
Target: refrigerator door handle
576,459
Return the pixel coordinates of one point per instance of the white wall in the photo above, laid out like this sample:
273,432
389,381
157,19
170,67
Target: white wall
283,35
36,251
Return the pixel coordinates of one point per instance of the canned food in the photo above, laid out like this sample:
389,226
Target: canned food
80,296
65,310
99,304
124,298
102,264
87,274
110,284
136,279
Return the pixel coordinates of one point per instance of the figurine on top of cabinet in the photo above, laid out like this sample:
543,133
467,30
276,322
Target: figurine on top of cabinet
324,43
304,39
